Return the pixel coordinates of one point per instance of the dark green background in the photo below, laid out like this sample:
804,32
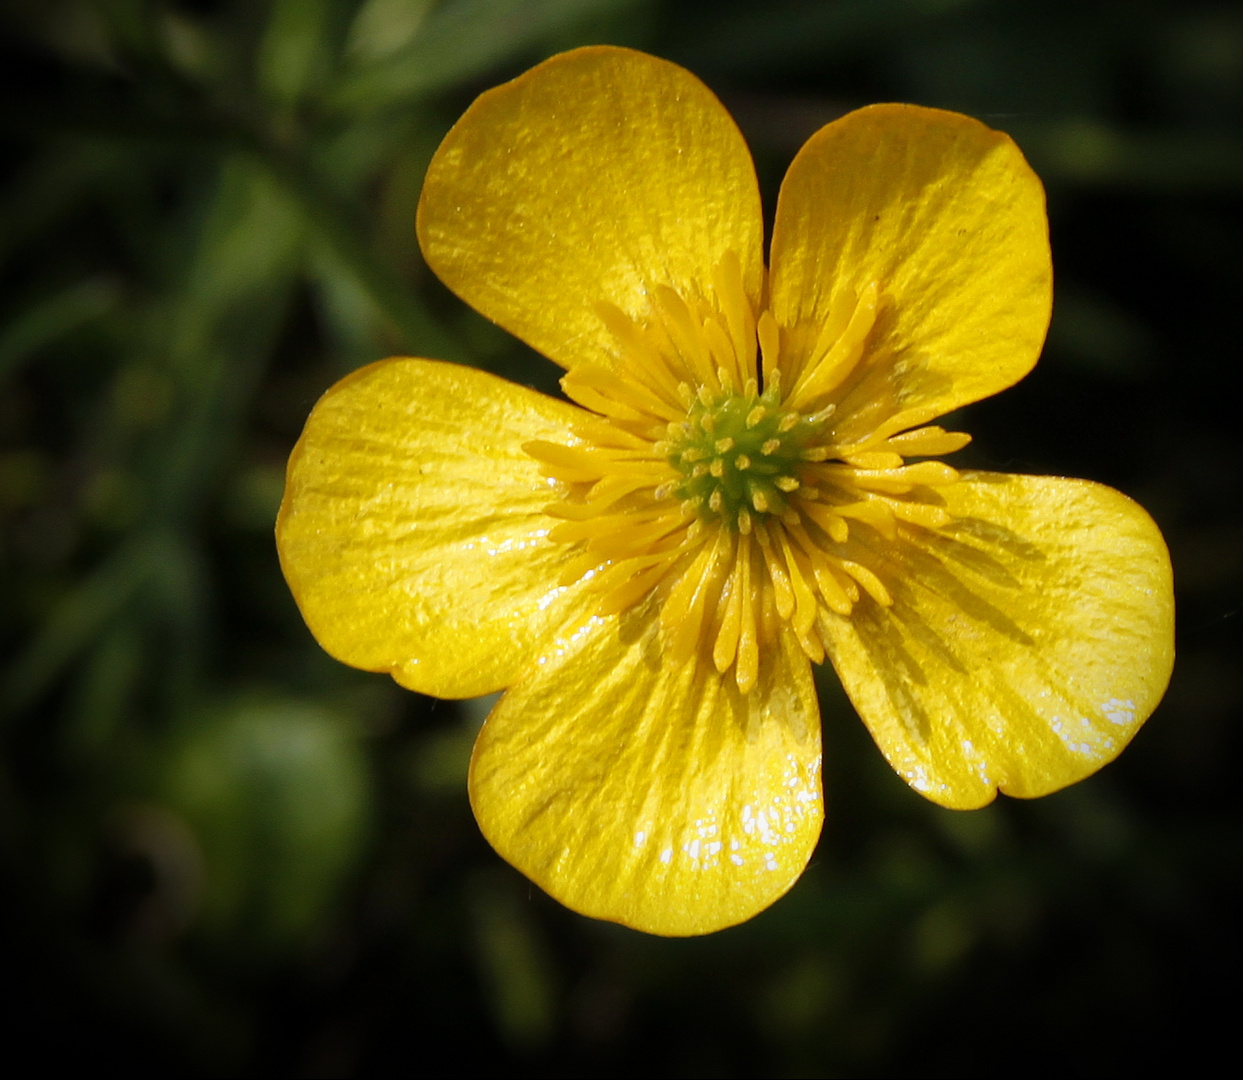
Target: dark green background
223,853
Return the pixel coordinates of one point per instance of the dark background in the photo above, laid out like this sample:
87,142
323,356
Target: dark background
223,853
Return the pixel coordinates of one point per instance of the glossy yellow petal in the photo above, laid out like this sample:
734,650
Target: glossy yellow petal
596,176
648,793
1026,642
946,221
412,533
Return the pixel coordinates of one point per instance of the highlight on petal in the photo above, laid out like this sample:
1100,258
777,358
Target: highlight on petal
652,794
595,178
1026,642
925,231
412,531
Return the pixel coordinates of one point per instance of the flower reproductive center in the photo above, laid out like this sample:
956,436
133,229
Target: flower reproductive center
748,475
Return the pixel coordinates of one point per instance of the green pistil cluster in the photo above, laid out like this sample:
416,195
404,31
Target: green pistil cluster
739,454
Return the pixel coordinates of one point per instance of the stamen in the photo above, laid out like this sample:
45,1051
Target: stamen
673,472
826,376
770,342
731,295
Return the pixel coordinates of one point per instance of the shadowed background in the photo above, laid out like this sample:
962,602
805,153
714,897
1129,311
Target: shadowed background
223,853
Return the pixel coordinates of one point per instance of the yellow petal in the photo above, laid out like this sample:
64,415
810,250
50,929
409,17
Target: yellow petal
947,219
648,793
1026,642
412,533
595,176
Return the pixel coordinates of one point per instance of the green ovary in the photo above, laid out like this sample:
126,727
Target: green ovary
739,455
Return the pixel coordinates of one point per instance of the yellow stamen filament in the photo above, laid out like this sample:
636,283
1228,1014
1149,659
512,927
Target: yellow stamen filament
822,377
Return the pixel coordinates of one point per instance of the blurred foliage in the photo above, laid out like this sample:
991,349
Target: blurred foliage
222,853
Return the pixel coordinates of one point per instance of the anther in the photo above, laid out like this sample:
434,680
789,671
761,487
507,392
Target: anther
760,501
751,388
708,423
705,397
717,468
743,462
756,415
723,446
715,500
693,455
787,422
786,483
770,447
744,521
699,470
815,453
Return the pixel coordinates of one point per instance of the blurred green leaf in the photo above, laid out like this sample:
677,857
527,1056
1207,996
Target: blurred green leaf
461,39
54,318
1100,336
383,27
74,621
1091,152
279,795
293,55
512,960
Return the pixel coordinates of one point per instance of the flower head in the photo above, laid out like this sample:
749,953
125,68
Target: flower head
748,482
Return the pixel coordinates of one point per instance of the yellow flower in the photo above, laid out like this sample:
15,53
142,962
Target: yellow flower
650,573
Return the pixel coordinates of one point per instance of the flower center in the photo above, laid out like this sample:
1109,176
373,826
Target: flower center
739,454
741,511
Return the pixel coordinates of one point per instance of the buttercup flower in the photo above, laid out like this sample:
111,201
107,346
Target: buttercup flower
747,483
